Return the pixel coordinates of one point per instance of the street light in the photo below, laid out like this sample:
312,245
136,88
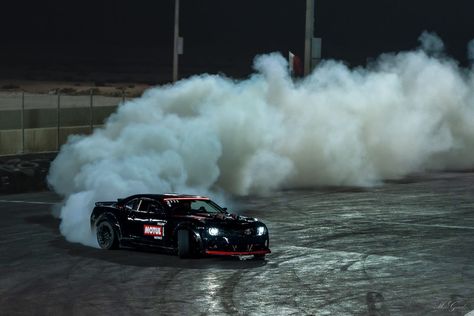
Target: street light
176,36
308,36
312,45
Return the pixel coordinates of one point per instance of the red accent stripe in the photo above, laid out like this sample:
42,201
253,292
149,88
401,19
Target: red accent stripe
188,198
237,253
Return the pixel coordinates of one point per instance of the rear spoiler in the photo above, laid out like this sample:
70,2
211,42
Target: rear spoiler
108,203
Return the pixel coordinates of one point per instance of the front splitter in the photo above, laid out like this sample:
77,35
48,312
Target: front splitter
237,253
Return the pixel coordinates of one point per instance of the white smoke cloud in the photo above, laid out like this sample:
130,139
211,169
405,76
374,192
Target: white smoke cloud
470,51
431,43
408,112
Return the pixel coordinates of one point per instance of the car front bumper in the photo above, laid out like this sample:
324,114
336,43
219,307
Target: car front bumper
236,246
237,253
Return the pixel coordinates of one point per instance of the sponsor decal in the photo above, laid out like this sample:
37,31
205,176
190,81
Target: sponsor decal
153,230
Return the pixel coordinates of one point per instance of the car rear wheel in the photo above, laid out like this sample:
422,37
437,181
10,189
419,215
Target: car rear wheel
183,244
106,236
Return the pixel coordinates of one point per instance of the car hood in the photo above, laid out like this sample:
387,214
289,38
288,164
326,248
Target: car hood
225,220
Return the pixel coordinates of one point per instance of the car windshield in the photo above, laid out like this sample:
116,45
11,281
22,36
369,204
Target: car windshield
190,206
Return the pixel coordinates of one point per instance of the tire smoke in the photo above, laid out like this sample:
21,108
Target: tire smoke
407,112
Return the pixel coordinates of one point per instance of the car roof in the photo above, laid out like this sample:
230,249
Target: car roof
167,197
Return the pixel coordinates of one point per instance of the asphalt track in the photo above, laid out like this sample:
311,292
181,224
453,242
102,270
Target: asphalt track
404,248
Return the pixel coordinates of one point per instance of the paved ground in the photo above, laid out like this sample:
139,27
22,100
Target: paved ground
405,248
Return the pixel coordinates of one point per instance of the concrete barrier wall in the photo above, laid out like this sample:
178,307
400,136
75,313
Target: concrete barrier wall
17,100
10,142
39,118
41,127
29,122
37,140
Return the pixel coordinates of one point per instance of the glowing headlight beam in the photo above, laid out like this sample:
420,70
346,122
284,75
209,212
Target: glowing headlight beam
213,231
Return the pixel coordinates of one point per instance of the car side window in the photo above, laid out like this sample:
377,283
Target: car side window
204,207
132,205
181,208
155,208
149,206
143,206
199,206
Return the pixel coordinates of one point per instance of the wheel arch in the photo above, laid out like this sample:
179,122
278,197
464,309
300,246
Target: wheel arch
194,233
112,219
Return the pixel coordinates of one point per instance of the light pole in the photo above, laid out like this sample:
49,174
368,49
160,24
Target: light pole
308,36
176,40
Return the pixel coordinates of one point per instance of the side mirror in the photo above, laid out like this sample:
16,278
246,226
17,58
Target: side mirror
224,209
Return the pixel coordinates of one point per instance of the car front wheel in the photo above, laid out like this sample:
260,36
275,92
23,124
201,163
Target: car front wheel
106,236
184,249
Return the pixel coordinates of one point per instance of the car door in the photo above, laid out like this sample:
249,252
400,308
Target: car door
155,231
146,221
136,218
130,230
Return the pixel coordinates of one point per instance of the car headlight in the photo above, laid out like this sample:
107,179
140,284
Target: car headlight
213,231
260,230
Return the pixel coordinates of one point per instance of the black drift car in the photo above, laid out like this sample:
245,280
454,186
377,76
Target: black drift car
190,225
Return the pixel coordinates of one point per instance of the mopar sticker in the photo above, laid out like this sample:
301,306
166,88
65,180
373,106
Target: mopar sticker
153,230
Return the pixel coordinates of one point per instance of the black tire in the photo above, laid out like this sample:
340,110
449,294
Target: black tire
259,257
184,249
106,236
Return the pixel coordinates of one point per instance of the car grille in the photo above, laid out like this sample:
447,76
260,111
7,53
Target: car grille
239,232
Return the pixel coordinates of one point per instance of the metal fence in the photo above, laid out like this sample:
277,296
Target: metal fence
42,122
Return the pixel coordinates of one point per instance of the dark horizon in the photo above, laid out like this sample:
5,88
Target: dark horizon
219,36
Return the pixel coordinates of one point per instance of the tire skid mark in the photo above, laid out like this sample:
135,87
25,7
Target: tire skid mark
165,282
322,283
334,295
380,290
227,294
28,290
296,294
125,289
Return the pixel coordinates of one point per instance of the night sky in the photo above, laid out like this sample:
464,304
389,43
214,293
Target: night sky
125,36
